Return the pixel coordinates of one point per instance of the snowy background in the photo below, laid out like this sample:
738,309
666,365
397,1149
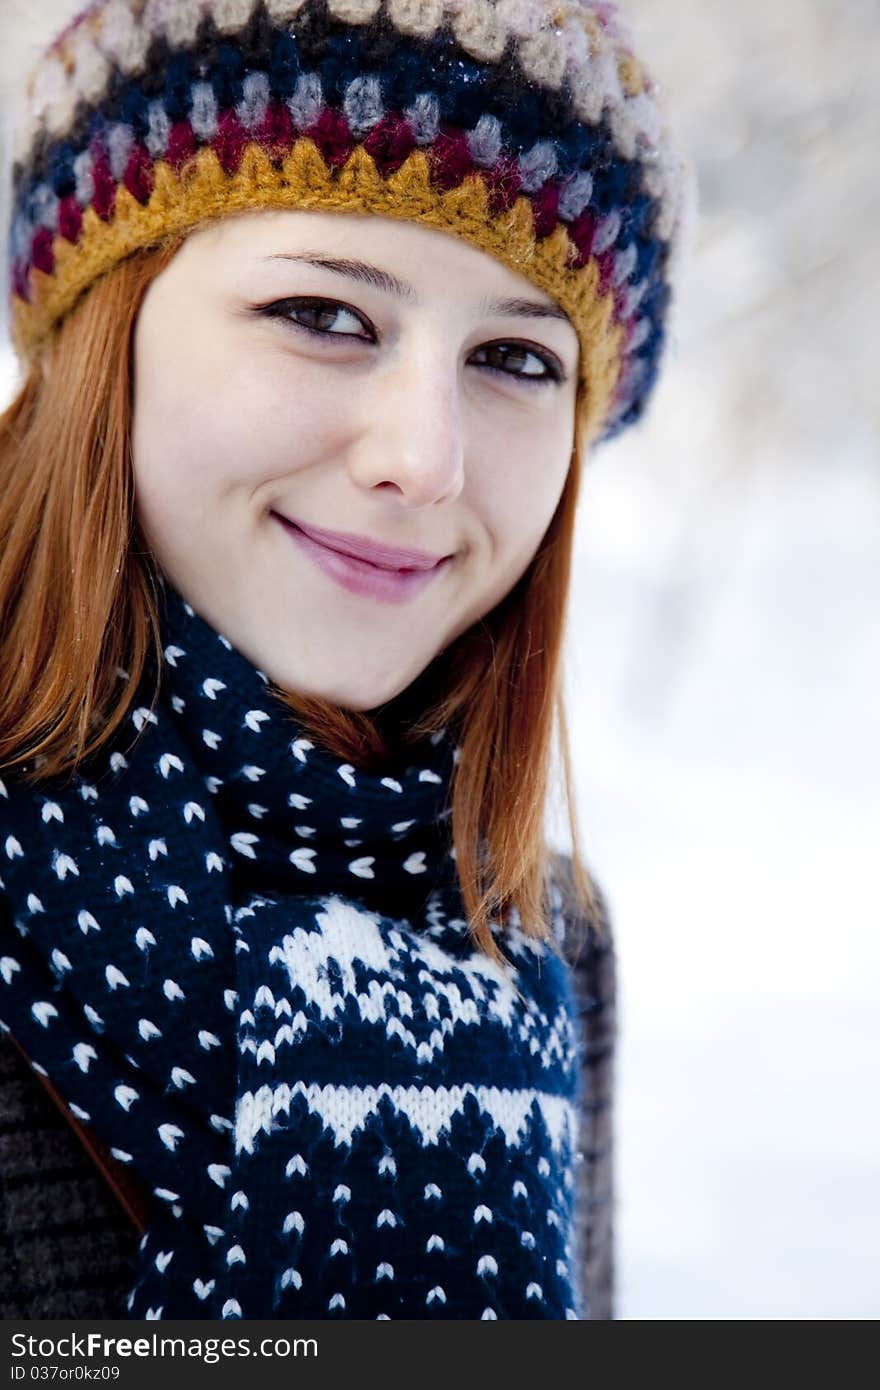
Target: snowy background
724,679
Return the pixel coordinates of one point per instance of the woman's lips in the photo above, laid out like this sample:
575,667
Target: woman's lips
380,553
359,576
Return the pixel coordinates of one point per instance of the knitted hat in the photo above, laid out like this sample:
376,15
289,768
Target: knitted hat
528,127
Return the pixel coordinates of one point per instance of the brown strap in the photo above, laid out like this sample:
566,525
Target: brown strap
128,1190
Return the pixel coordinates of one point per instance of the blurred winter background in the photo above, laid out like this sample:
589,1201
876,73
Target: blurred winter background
724,677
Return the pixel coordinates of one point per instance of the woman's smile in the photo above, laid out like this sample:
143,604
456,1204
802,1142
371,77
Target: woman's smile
360,576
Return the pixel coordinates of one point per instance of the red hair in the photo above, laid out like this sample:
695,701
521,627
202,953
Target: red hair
78,602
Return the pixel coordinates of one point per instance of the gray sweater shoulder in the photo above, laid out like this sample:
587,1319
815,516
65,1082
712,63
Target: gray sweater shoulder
67,1249
589,947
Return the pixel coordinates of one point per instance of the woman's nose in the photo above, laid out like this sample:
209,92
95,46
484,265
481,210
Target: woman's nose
412,435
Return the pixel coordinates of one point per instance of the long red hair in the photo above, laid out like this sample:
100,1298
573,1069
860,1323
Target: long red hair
78,603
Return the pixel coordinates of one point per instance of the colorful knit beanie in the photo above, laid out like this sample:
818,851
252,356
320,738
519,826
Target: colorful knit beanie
528,127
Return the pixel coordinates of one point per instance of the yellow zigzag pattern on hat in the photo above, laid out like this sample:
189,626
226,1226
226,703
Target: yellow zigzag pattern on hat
203,191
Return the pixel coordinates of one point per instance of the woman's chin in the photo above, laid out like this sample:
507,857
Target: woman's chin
337,688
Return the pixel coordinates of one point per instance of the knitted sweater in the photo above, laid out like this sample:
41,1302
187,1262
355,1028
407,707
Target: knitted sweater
67,1249
389,1128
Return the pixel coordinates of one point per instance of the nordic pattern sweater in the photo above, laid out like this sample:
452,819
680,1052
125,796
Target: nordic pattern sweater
67,1249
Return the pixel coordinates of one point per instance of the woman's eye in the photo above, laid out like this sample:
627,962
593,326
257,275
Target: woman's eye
318,313
503,354
528,364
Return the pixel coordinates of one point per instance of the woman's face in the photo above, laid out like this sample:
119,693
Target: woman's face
416,414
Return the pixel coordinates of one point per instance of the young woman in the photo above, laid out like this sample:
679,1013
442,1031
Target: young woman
321,307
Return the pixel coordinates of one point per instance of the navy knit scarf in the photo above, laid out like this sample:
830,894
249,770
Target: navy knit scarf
246,967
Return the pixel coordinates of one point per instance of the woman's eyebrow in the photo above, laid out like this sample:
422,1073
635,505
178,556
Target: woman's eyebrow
507,306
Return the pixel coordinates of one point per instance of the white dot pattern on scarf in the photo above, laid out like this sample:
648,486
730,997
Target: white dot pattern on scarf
246,967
